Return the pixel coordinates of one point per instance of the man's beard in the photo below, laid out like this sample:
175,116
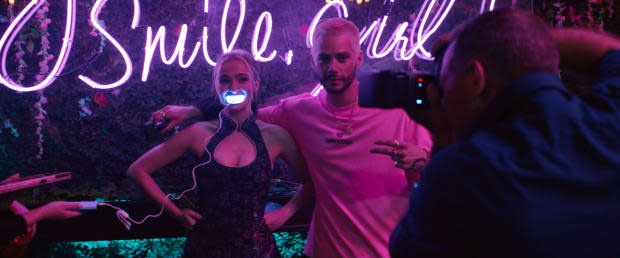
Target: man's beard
347,83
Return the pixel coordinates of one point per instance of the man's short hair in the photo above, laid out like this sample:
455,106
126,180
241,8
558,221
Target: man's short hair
336,26
509,41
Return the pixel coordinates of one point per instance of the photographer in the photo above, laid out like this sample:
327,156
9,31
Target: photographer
534,169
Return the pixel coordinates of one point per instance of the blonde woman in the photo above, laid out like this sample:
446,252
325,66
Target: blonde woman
238,153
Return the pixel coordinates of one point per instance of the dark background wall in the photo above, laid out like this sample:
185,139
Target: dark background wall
97,134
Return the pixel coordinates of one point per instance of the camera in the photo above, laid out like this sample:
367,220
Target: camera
391,89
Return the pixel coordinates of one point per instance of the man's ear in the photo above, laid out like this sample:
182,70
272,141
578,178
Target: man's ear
360,58
316,70
476,78
312,62
489,82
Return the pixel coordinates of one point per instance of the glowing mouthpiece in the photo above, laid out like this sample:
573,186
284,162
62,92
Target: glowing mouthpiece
232,97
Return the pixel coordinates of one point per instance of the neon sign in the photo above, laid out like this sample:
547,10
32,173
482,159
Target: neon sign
14,27
258,52
94,14
401,46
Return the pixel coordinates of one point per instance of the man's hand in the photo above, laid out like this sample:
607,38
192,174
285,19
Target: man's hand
54,211
275,219
405,155
188,218
19,209
176,114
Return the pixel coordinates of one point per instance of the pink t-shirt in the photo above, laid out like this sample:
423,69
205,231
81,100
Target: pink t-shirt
360,196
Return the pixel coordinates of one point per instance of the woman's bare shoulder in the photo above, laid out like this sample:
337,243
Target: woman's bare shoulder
198,130
210,126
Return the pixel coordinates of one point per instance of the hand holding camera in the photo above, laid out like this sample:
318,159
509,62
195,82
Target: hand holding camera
418,94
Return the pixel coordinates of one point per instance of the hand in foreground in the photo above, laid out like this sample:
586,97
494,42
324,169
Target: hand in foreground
175,114
19,209
53,211
406,155
188,218
276,219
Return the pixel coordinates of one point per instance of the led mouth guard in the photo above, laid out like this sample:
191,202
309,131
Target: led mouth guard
233,97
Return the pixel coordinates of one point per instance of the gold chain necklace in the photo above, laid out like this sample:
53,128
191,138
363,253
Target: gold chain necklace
345,128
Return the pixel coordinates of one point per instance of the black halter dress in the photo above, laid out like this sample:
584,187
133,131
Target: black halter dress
232,201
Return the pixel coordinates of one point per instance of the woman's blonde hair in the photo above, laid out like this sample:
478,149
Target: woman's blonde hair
336,26
238,54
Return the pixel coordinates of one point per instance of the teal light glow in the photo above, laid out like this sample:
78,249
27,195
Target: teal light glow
290,244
